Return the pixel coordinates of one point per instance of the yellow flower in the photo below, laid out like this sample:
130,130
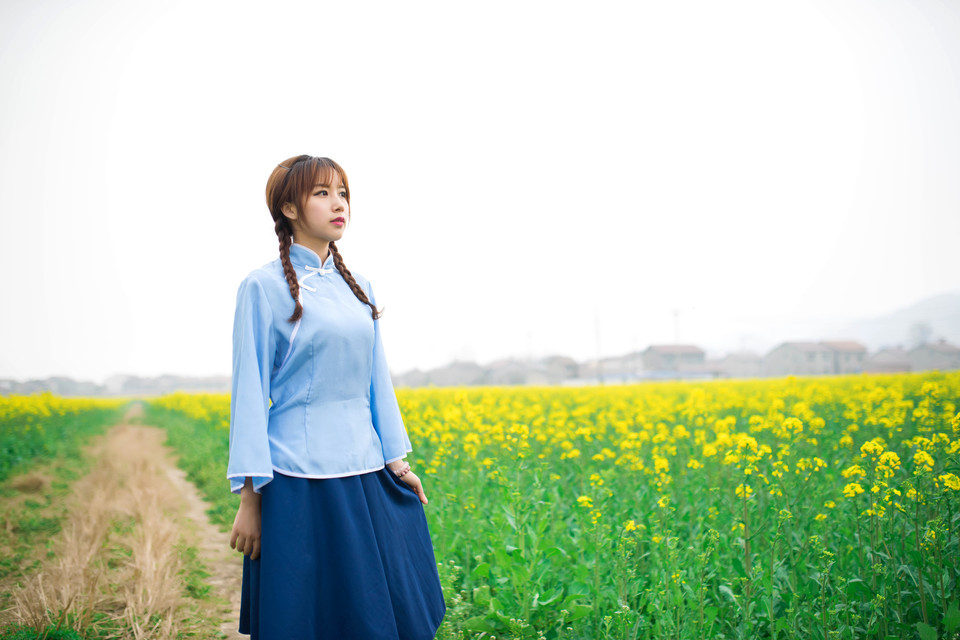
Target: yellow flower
870,448
663,501
744,489
952,481
595,480
829,504
922,458
629,525
820,516
855,470
585,501
852,490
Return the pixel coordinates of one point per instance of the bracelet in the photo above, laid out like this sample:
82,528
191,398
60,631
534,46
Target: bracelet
403,470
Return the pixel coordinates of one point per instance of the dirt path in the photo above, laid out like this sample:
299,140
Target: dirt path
121,550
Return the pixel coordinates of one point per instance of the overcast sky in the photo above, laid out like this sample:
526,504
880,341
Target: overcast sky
527,178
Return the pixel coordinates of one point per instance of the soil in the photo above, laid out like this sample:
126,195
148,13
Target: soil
134,481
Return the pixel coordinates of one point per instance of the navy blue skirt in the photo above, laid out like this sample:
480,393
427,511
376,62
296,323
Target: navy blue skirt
341,558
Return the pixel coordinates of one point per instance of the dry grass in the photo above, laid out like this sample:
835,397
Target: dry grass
117,553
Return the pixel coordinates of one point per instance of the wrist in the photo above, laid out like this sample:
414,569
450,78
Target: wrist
399,467
247,494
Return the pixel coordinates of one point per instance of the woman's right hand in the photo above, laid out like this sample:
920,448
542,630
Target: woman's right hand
245,536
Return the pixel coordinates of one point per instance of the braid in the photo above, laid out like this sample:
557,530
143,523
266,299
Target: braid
357,289
285,241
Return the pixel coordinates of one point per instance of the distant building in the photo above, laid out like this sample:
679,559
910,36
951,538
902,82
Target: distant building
798,358
938,355
613,369
890,360
848,356
673,357
559,368
741,364
507,371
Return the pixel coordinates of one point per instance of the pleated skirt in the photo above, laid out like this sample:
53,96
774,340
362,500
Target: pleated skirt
341,558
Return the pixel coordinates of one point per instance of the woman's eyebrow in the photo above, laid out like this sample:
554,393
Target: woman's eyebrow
324,185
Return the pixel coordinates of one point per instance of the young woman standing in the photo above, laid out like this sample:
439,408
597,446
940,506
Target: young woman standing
331,520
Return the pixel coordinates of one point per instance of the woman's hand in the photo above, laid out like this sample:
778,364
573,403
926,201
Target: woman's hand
410,478
414,483
245,536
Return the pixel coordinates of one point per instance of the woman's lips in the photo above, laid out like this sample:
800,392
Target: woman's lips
338,221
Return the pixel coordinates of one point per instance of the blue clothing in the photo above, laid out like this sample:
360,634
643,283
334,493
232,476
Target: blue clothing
342,559
310,399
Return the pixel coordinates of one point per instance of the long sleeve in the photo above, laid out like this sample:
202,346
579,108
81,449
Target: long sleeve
254,347
383,400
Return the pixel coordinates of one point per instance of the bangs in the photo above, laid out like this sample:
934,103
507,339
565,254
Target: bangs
321,171
325,174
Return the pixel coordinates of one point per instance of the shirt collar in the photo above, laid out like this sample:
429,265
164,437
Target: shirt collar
306,257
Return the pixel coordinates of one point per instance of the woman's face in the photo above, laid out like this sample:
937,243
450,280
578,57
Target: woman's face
325,213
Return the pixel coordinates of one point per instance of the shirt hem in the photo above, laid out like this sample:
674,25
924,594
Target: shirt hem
329,475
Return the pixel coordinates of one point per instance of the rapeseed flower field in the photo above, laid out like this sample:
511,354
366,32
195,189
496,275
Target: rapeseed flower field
813,507
38,426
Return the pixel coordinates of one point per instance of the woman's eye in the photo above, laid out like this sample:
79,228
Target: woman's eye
321,192
343,194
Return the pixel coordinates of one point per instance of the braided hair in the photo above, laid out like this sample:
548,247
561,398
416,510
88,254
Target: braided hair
292,181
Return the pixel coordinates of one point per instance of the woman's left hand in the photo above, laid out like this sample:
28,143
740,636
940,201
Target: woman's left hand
414,483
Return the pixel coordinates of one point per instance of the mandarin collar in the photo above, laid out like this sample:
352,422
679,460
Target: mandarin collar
303,256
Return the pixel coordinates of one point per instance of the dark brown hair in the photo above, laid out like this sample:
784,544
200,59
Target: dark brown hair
292,181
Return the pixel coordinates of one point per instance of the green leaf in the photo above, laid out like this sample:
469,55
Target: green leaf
926,631
738,567
481,595
554,551
509,514
519,573
578,589
710,614
540,602
479,623
481,571
578,611
857,587
728,592
951,619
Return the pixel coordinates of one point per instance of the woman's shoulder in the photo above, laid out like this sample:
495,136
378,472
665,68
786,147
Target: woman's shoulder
268,276
363,282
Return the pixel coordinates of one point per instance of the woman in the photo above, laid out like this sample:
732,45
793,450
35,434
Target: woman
331,520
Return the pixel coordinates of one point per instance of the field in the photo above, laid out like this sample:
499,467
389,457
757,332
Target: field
784,508
822,507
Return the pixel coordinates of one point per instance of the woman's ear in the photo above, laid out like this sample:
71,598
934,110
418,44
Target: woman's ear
289,210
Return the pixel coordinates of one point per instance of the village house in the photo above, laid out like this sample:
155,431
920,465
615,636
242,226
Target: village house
940,355
889,360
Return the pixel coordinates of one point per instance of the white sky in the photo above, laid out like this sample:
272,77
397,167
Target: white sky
521,172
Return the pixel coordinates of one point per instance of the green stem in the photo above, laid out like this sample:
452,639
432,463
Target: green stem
916,521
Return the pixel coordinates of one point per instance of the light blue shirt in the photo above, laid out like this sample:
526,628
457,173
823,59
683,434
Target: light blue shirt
311,399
